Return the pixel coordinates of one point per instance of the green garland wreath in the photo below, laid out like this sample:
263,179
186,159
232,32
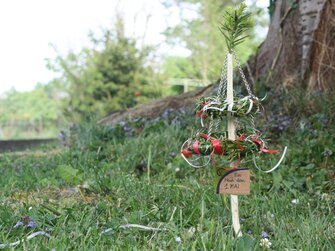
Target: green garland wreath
230,149
216,107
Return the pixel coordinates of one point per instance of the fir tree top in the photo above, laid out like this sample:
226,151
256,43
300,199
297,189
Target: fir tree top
236,21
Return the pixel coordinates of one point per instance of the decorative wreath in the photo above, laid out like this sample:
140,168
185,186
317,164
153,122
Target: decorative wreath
233,150
218,107
199,150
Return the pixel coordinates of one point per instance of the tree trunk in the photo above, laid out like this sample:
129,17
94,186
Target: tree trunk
299,47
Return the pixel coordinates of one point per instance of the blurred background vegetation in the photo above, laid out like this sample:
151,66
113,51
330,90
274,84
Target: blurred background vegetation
118,71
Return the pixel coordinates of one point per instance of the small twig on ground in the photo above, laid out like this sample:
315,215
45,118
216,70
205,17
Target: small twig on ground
140,226
29,237
133,226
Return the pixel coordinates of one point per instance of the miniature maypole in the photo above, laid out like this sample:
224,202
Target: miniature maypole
235,24
228,127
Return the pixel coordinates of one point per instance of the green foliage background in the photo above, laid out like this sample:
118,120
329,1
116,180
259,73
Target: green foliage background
202,37
117,73
112,75
31,114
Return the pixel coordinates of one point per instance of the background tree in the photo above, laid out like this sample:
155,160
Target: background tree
114,75
202,37
300,46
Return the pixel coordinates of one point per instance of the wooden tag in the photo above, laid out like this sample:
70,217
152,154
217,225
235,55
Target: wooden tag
235,182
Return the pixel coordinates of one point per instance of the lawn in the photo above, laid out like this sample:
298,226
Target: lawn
89,195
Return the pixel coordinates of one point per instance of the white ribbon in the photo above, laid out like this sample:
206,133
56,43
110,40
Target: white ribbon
275,167
191,164
264,97
251,104
227,106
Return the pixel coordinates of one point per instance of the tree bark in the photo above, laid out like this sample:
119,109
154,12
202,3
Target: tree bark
155,108
300,46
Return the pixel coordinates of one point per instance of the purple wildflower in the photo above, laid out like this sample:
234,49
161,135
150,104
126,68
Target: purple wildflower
265,234
18,224
31,224
26,222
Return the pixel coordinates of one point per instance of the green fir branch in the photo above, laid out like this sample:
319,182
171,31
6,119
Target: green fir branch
235,23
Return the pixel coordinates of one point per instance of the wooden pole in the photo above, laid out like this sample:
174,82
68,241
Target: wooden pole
231,136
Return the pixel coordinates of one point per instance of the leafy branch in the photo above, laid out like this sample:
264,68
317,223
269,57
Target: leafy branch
236,21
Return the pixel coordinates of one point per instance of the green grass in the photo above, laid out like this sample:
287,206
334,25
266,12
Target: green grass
106,179
100,183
